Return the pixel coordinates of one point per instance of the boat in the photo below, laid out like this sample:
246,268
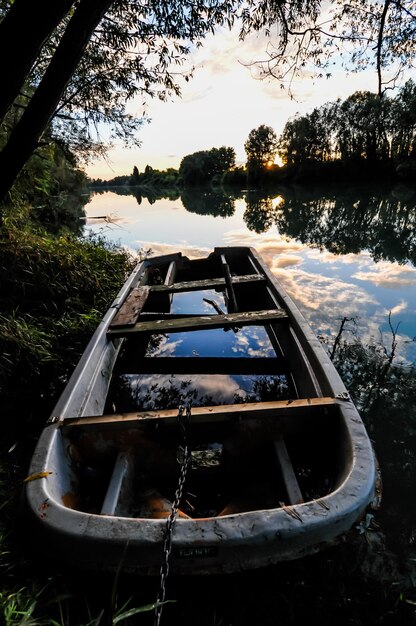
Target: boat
203,398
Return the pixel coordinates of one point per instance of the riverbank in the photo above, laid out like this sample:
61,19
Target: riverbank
54,290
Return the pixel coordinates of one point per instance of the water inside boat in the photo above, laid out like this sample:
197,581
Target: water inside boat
236,465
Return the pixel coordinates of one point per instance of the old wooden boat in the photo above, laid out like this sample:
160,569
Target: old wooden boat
280,464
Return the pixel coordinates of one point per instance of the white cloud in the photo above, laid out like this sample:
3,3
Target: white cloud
401,306
390,275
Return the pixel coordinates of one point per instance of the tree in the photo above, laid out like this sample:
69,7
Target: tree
360,132
307,37
66,51
135,177
116,35
307,137
402,123
34,21
201,167
261,147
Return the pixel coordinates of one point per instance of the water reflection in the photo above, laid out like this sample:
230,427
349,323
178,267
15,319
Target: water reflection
63,213
372,581
261,212
150,193
342,220
353,219
208,202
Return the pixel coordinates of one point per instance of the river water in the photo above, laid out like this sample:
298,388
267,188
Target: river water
344,252
337,256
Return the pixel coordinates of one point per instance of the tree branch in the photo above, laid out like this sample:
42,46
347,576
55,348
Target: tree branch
380,44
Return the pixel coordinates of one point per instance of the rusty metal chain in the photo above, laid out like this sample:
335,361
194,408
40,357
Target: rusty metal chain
184,418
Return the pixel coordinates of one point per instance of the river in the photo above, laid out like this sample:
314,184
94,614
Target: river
343,253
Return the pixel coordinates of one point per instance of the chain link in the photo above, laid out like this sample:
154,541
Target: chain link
184,418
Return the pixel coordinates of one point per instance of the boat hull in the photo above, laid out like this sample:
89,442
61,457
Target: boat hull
236,537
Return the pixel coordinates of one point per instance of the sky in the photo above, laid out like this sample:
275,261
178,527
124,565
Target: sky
221,104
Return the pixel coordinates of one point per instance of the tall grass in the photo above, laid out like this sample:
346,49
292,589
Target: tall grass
53,292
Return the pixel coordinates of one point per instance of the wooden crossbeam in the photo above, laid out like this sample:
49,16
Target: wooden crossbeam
230,299
130,364
209,283
210,414
203,322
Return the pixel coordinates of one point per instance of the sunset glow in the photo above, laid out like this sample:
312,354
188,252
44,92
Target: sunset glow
221,105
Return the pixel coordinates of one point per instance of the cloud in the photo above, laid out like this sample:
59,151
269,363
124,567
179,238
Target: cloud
389,275
334,298
286,261
221,387
401,306
194,96
159,248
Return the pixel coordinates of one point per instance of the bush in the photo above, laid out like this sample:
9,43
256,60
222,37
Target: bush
54,290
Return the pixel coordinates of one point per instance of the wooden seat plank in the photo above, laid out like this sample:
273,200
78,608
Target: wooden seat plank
209,283
130,364
208,414
201,323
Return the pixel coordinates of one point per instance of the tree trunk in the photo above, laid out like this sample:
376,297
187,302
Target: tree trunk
23,31
24,138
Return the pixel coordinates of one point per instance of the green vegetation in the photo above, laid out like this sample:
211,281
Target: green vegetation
151,180
206,166
54,289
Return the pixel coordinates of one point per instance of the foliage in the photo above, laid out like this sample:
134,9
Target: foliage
307,137
54,290
363,129
50,176
128,51
310,38
96,59
206,165
261,147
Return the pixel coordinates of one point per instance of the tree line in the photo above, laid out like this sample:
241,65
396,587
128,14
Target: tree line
361,136
363,129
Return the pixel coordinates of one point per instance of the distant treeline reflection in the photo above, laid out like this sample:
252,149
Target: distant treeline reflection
341,219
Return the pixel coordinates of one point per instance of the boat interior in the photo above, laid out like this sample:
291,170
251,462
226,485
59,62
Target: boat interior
212,335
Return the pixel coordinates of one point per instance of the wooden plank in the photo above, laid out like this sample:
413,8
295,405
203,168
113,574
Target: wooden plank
231,299
290,481
171,273
203,322
209,283
208,414
130,364
131,308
